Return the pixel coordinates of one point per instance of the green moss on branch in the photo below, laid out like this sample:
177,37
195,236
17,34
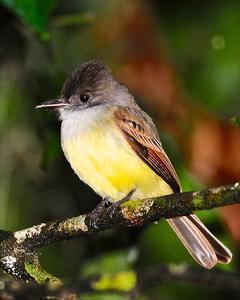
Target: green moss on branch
18,250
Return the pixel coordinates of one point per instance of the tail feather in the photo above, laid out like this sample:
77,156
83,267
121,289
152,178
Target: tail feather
204,247
223,253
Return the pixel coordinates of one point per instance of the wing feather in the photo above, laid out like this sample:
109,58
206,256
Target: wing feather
141,134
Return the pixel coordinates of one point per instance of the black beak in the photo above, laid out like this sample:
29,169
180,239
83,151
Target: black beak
53,104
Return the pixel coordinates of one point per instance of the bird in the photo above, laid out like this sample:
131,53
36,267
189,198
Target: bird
113,146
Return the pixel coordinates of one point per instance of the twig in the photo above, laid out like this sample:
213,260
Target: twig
18,250
141,280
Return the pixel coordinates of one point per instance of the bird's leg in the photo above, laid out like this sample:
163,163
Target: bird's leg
96,213
125,198
104,204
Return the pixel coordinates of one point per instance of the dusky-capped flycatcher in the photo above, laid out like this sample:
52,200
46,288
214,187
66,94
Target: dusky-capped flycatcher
113,146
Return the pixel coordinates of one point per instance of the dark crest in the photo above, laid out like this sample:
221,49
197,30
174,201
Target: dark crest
89,77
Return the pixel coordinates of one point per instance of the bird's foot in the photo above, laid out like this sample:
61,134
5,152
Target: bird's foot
105,203
125,198
97,212
96,215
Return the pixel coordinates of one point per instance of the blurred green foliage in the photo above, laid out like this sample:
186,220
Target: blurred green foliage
235,121
34,12
112,262
204,43
105,297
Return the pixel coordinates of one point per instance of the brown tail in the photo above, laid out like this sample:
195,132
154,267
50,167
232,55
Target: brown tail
204,247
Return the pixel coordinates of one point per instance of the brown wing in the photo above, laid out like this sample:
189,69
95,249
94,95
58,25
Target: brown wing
141,134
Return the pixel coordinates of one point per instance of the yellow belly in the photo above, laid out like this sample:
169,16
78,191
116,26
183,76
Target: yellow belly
104,160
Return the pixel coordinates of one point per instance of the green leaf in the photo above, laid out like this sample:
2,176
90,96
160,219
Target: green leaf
41,276
122,282
33,12
103,296
73,19
114,262
235,121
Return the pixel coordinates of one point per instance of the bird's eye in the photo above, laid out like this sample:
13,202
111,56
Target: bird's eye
84,97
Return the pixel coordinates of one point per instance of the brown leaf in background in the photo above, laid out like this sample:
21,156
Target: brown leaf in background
209,146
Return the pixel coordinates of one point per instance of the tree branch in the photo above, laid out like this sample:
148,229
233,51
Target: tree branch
127,282
18,250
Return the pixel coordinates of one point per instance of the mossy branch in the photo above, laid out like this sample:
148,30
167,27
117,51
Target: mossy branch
19,249
129,282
